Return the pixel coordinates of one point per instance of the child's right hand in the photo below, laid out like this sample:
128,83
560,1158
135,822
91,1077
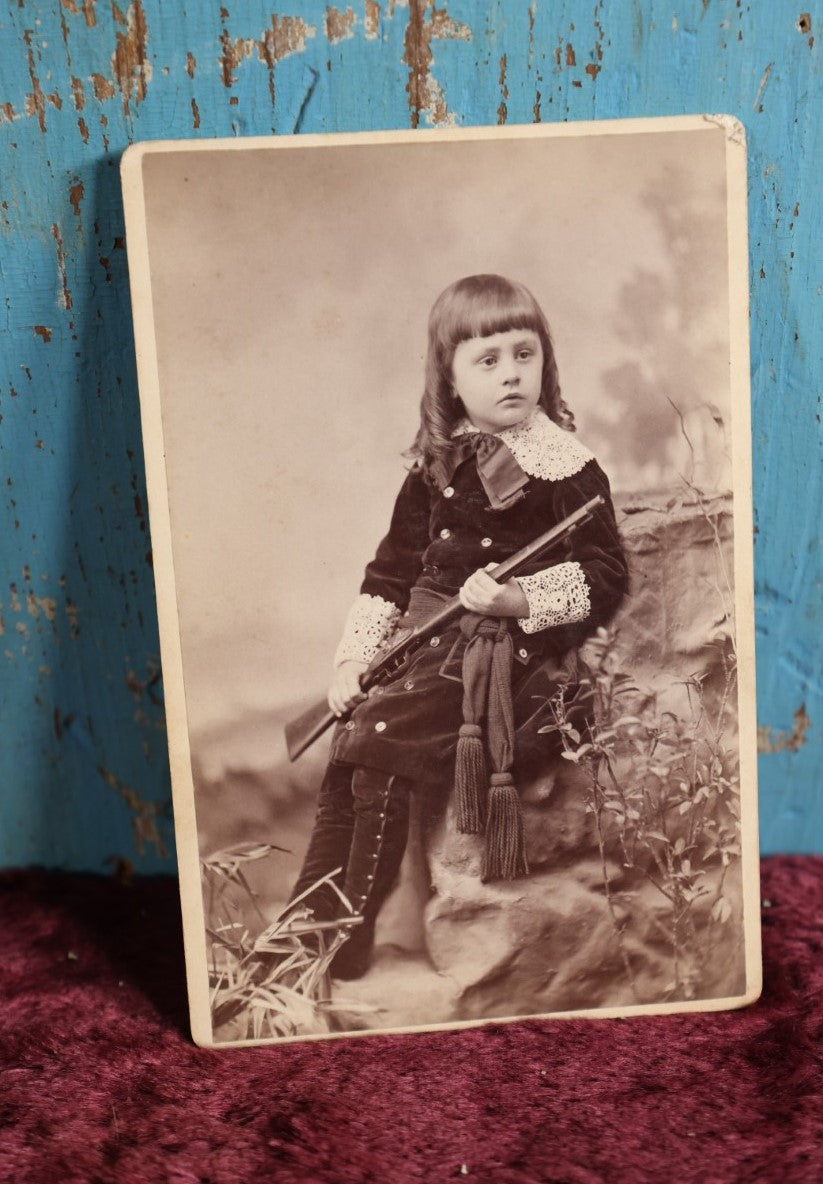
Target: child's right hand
345,690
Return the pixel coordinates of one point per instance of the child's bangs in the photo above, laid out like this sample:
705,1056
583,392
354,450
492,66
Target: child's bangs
482,314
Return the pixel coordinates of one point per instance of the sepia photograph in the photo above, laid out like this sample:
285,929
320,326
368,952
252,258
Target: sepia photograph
447,446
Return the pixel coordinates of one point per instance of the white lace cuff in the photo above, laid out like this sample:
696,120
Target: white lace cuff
370,621
557,596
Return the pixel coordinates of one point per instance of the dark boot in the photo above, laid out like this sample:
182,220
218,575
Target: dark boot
330,843
381,808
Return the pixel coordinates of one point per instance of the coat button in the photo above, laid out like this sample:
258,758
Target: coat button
521,653
445,533
408,685
448,491
380,726
350,726
487,542
435,642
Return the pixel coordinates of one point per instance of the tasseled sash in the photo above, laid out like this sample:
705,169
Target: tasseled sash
484,803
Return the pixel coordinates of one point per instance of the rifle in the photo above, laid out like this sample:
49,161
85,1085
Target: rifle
308,727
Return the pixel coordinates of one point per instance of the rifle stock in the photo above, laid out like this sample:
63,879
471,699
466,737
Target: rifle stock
302,732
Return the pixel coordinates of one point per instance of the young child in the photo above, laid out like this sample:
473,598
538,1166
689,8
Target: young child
495,464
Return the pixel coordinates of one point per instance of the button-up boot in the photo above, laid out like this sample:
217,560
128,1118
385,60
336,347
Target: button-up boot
329,845
381,810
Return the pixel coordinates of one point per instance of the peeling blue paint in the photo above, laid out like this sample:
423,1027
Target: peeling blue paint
79,81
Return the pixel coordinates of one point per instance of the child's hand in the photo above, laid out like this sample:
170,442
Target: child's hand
345,691
481,594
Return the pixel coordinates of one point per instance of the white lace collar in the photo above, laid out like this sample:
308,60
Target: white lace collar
540,446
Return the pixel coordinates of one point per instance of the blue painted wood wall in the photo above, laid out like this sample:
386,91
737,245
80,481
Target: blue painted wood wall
83,764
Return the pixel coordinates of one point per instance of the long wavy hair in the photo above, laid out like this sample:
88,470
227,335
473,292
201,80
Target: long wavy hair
475,306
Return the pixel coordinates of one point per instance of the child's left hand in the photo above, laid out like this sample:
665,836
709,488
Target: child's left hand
481,594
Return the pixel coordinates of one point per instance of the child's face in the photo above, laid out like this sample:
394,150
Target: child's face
499,377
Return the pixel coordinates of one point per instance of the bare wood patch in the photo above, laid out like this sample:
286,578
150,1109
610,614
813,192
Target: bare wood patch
144,814
763,84
769,741
339,26
103,87
287,35
87,9
371,19
36,101
425,93
76,195
130,65
71,613
232,55
36,605
65,296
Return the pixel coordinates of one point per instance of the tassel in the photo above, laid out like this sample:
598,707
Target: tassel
470,780
505,856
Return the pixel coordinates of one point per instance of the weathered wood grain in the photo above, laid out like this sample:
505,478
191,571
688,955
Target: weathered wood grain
82,751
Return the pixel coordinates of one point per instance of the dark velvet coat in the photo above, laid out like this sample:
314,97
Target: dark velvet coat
436,539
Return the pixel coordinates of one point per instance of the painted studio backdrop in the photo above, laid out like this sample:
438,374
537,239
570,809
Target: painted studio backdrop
290,294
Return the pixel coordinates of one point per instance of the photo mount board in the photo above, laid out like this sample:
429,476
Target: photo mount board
280,292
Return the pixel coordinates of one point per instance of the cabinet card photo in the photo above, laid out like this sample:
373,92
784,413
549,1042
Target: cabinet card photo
448,456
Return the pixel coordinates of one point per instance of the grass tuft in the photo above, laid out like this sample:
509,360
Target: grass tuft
272,981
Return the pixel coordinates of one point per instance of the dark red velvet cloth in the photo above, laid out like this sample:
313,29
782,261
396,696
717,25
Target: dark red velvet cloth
100,1081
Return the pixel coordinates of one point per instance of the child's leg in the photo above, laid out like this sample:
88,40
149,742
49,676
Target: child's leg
330,843
381,808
